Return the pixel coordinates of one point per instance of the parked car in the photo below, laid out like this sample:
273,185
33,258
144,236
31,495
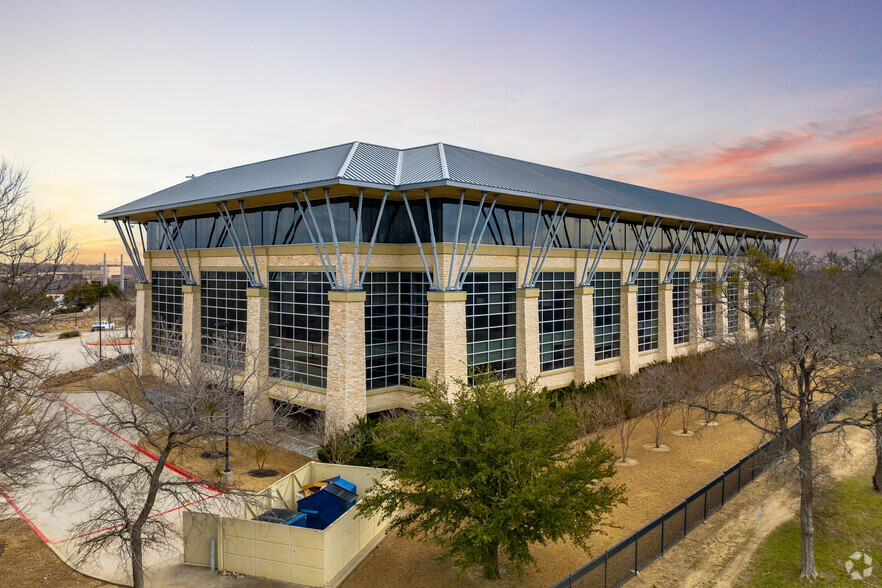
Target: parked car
103,326
22,335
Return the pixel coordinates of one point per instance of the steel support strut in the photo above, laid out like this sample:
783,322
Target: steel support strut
730,258
326,192
416,236
253,281
432,236
183,245
373,237
326,266
643,249
547,244
131,249
456,235
672,263
477,242
706,254
188,278
601,248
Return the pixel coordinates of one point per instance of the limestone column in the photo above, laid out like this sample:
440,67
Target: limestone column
143,326
666,321
527,361
629,361
584,334
345,395
258,405
191,329
696,329
446,355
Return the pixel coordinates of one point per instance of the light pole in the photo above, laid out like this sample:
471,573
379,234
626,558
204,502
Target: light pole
100,328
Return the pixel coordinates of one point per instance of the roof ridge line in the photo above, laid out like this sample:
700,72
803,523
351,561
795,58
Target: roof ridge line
348,159
445,175
398,167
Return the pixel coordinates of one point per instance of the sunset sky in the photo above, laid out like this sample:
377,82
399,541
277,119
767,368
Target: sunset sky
772,106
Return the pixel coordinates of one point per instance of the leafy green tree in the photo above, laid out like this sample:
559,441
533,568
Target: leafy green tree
486,470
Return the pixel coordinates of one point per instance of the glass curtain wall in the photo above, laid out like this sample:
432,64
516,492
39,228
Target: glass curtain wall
491,322
732,291
298,327
167,311
396,324
224,317
607,315
647,311
708,305
557,310
680,297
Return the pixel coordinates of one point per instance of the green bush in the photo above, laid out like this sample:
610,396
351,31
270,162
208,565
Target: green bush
354,446
561,396
69,335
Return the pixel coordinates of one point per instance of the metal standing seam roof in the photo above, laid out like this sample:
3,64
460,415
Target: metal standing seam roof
365,164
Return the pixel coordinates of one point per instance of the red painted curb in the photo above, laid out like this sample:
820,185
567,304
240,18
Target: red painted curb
24,518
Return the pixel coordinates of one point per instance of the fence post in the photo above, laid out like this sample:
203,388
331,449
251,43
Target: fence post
605,560
705,502
662,549
636,550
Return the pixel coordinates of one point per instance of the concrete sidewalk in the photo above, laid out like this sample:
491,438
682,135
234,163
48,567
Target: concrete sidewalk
55,520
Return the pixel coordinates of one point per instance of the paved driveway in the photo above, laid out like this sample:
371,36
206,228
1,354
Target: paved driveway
54,519
71,354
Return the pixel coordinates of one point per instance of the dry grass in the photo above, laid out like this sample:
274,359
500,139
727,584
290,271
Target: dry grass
657,483
27,562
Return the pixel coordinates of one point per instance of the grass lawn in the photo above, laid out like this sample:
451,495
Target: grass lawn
848,518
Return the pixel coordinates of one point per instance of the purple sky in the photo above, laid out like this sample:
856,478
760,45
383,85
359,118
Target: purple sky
775,107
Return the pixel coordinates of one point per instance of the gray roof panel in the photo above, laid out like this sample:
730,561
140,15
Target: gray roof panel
441,164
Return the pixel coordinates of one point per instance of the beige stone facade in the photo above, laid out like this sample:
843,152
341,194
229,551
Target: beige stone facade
345,396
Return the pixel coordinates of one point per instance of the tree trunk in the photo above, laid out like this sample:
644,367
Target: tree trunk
137,558
491,563
806,504
877,437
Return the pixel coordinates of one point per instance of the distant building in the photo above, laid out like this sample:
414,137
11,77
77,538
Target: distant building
351,269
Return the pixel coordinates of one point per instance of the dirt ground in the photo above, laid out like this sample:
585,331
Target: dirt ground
658,482
26,562
241,462
717,552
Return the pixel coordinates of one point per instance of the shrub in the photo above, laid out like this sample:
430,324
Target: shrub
354,445
69,335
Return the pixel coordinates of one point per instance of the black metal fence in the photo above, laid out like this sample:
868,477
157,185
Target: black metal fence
622,562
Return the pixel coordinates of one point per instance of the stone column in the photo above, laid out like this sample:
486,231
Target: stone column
446,350
695,316
258,405
584,334
527,361
629,359
191,329
666,321
345,396
143,327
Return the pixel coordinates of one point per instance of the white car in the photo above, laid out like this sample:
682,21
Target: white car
103,326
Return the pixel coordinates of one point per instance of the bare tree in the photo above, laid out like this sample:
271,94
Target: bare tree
32,255
622,406
790,365
859,280
660,383
127,465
